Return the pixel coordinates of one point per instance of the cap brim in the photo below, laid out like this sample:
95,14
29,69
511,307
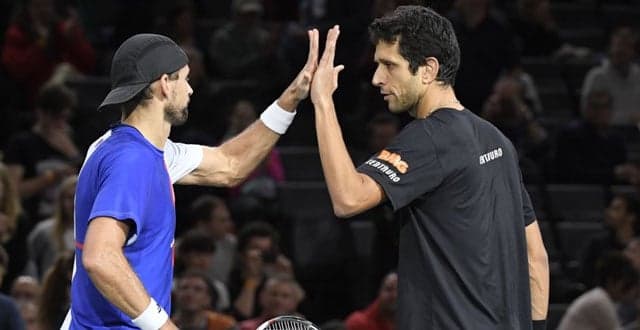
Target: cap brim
121,94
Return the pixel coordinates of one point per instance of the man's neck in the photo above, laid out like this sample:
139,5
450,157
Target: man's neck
151,125
437,98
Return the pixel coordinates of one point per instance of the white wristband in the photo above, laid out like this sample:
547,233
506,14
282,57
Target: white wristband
276,118
152,318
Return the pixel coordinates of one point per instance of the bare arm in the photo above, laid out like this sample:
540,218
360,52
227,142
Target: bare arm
233,161
351,192
36,184
538,272
109,269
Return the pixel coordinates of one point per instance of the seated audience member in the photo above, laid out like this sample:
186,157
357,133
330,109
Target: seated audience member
195,301
281,295
619,76
258,257
14,228
537,31
487,50
56,287
512,111
381,313
622,220
211,215
29,313
25,289
260,185
10,318
617,282
195,252
41,158
40,38
588,150
241,49
54,236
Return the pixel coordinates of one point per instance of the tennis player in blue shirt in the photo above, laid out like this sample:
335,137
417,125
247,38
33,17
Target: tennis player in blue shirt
124,207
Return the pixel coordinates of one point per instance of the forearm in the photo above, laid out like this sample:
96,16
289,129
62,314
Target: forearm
246,299
539,284
538,273
245,151
112,275
340,174
33,186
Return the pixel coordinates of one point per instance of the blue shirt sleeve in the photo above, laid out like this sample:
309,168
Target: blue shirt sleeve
124,192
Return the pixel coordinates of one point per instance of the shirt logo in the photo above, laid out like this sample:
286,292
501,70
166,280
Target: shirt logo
395,160
491,155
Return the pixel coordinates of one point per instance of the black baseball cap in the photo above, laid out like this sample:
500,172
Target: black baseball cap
139,61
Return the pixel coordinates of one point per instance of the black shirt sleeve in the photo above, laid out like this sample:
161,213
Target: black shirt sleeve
527,207
408,168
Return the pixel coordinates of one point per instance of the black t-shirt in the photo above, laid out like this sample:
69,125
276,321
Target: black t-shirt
454,181
36,156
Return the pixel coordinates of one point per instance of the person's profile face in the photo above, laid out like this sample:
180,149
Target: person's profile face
399,87
176,111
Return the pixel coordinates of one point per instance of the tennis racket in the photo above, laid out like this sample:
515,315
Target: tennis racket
287,322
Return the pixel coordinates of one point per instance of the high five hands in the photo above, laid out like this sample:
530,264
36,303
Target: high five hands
325,80
321,78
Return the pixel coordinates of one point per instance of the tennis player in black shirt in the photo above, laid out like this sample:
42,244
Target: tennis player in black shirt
471,253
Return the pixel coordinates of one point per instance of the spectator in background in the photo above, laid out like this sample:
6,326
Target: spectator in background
41,158
195,251
39,39
588,150
536,28
180,25
195,298
242,49
617,281
622,219
511,111
14,228
54,236
25,289
262,181
211,216
487,50
9,315
381,313
258,257
281,296
619,76
29,314
56,297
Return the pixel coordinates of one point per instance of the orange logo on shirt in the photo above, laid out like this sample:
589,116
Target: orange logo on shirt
395,160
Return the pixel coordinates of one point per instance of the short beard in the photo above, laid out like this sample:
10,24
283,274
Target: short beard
174,116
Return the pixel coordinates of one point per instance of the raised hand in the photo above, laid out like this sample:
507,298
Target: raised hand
298,90
325,80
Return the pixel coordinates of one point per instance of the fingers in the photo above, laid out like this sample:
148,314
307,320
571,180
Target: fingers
312,58
330,47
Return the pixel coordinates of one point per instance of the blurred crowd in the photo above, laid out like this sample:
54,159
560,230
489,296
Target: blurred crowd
565,90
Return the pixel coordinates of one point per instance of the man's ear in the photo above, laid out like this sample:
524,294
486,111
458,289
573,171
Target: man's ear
431,69
163,85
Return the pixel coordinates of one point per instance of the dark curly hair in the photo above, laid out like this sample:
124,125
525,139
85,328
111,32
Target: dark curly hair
421,33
